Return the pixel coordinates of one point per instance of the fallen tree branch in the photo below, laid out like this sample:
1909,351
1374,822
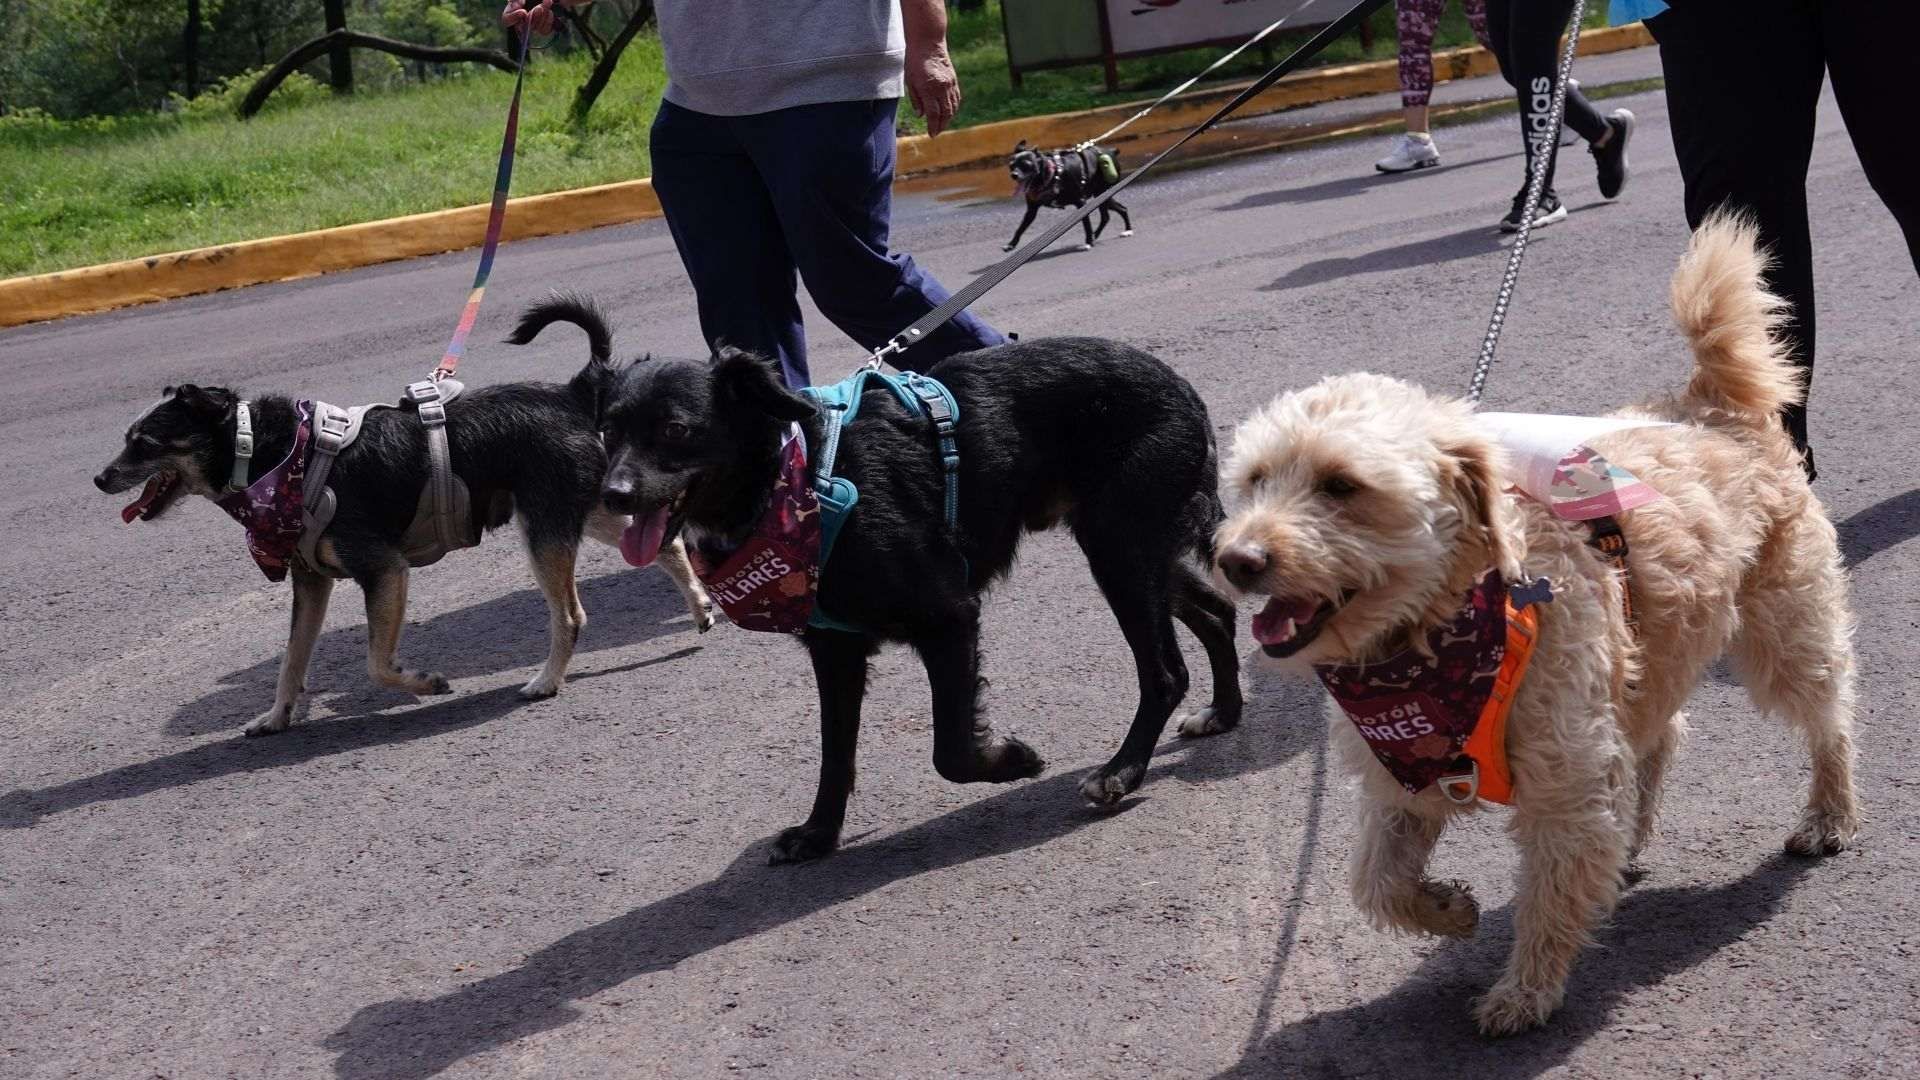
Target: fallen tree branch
312,50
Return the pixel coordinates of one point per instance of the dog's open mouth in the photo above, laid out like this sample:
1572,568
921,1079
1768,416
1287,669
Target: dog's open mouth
640,542
162,488
1288,624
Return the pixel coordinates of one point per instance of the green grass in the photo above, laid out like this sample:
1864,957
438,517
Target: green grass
96,191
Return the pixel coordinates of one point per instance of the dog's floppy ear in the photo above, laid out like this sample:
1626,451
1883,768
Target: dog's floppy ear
213,401
755,380
1475,476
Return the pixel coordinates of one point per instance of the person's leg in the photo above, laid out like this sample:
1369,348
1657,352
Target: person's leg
1477,21
830,170
1526,40
1743,81
722,220
1416,21
1864,57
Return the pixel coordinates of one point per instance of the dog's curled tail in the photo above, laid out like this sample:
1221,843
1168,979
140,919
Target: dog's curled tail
1730,319
569,308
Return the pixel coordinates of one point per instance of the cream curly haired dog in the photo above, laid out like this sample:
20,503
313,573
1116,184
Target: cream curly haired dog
1365,508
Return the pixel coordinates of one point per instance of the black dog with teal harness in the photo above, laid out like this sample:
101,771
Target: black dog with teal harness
939,488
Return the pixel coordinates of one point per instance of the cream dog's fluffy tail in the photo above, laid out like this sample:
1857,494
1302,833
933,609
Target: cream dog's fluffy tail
1730,318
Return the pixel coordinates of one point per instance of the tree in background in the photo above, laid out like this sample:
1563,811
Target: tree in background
339,58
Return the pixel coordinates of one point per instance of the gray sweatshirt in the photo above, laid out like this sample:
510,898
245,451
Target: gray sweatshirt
736,57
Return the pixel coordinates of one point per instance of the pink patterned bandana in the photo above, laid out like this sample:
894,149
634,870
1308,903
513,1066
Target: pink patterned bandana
768,582
270,507
1416,713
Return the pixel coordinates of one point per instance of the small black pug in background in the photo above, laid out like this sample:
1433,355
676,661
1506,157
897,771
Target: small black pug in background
1064,178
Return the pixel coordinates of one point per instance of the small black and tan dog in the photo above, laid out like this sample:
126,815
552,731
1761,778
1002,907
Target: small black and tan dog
1091,434
1064,178
529,451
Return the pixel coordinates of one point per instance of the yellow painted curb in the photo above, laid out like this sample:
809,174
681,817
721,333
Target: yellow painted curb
285,258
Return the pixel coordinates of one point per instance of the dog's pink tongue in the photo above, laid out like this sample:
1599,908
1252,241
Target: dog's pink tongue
640,542
1275,624
138,506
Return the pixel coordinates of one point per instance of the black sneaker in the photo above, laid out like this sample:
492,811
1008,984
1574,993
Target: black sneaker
1611,159
1548,212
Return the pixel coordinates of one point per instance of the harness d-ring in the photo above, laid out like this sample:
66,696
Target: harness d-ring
1470,779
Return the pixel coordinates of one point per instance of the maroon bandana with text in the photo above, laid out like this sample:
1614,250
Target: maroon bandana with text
768,582
1415,712
270,507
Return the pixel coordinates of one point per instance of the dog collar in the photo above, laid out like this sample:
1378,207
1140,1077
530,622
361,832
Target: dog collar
242,446
1439,715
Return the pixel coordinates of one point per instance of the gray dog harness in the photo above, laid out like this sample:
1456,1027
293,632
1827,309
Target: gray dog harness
443,521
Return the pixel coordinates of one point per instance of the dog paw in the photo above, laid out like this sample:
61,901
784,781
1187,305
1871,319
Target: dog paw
703,619
1448,909
1084,247
432,683
1509,1010
1208,720
1822,833
1108,785
542,687
1010,759
803,843
1008,246
272,721
1124,233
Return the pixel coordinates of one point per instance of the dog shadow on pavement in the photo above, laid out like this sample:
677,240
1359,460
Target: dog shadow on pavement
500,634
369,715
1426,1025
412,1039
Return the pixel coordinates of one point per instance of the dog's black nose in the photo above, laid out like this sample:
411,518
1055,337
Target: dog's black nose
617,496
101,481
1243,564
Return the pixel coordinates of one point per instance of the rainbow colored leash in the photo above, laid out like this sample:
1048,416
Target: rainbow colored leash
497,218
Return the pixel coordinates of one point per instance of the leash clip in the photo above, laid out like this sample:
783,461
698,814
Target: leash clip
894,345
1469,779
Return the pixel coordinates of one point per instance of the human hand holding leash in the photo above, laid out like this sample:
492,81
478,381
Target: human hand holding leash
539,16
932,85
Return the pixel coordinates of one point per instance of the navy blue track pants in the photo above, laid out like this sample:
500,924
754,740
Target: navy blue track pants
754,200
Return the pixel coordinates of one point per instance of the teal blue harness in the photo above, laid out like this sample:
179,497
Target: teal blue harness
841,403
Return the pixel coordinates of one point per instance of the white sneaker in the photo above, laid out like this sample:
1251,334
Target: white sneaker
1410,153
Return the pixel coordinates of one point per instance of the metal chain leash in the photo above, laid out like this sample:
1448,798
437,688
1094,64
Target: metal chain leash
1536,187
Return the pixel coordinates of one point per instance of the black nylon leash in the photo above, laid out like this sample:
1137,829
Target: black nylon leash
978,287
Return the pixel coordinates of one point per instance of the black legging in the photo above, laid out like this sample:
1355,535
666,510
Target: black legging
1526,41
1743,84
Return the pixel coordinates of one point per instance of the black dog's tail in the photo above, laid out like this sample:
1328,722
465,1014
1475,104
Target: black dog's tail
570,308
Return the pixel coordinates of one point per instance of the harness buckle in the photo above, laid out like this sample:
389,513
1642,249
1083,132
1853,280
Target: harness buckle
425,396
1470,779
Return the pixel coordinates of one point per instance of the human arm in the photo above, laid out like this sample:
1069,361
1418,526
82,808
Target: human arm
932,85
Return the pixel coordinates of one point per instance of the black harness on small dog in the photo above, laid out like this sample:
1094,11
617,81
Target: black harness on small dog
1059,187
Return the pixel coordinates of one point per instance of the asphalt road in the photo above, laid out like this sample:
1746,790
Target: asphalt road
471,886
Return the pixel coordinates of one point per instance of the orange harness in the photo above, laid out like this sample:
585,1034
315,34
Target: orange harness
1487,775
